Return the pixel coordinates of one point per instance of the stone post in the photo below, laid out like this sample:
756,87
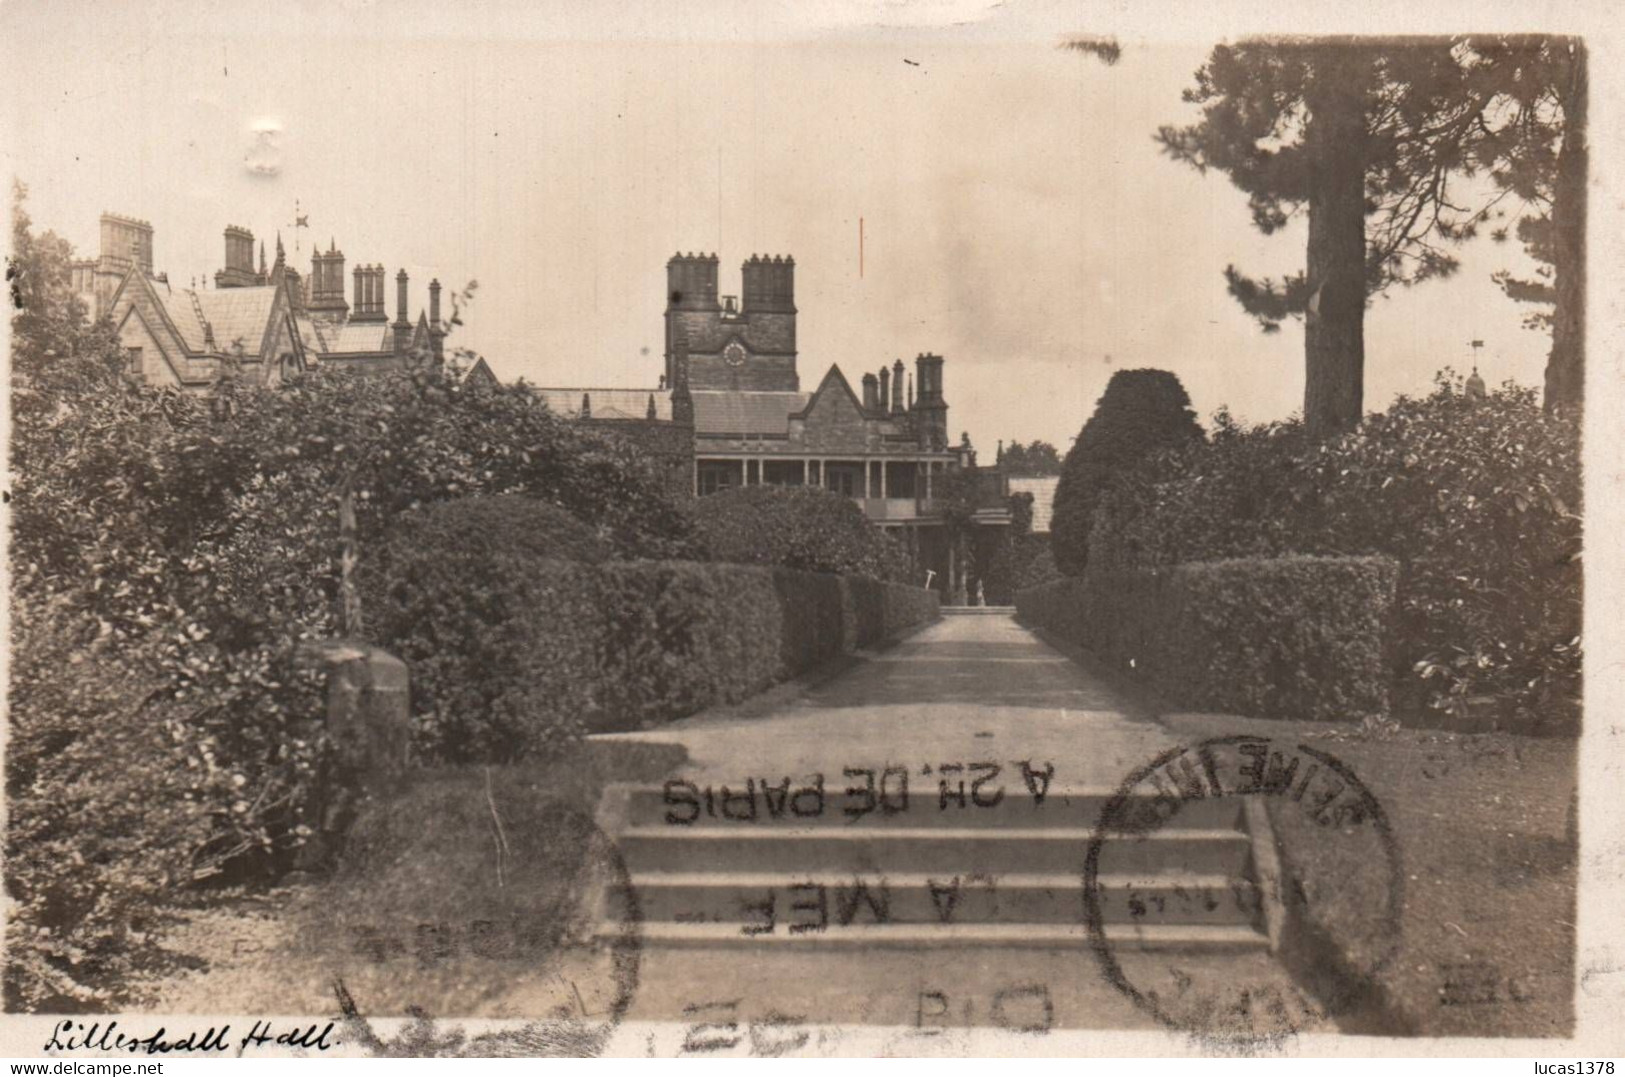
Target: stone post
368,717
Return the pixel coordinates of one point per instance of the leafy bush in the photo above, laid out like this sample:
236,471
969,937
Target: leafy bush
1295,637
499,525
193,541
1476,499
106,814
799,527
1140,413
440,592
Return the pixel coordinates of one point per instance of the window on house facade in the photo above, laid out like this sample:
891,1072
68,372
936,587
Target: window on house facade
718,475
782,472
846,479
132,360
900,479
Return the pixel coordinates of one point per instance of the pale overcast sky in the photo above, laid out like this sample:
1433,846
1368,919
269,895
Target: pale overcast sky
1018,218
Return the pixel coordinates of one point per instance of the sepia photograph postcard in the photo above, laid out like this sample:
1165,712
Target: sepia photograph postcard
868,528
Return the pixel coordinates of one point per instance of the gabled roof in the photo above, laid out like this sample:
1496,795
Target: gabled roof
481,372
834,382
423,339
211,322
741,412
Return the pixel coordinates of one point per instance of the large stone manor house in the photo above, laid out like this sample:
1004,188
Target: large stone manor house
265,323
731,374
729,407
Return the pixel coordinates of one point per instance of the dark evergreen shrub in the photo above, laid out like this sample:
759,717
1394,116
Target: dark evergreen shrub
1141,412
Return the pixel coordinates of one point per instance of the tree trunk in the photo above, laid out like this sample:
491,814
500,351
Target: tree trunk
1565,367
1334,326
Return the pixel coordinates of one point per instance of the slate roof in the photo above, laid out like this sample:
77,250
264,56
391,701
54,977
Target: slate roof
238,314
310,334
232,313
365,337
609,403
742,412
1042,487
178,305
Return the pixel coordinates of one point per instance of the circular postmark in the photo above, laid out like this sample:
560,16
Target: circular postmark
1243,889
527,914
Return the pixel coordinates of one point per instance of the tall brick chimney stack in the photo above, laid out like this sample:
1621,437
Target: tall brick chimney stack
871,393
897,406
239,270
403,326
327,283
369,294
437,332
932,424
885,389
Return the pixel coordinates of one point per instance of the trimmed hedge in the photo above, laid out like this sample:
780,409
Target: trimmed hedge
800,527
1478,499
1291,637
558,649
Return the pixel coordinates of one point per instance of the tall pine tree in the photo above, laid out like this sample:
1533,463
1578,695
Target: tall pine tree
1366,139
1536,145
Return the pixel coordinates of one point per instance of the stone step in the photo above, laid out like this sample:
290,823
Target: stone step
748,806
943,851
1125,937
751,900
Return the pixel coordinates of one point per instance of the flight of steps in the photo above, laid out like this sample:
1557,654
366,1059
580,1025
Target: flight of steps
1009,875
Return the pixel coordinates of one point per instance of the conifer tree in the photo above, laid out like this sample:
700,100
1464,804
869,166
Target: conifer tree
1369,140
1141,412
1537,150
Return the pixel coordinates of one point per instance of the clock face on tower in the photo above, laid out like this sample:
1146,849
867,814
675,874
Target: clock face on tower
734,354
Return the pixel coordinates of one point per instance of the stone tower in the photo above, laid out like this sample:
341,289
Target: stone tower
745,346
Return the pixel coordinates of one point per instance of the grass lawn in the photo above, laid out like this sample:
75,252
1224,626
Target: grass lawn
466,891
1482,824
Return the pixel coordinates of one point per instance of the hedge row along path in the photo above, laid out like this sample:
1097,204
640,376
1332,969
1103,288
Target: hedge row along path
955,904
